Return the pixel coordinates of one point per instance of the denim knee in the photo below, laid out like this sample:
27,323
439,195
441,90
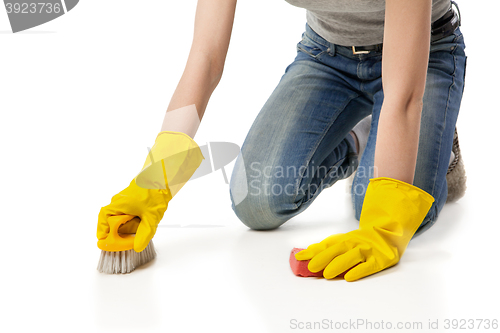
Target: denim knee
258,212
258,202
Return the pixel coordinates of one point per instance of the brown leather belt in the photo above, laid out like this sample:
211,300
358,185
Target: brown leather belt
441,28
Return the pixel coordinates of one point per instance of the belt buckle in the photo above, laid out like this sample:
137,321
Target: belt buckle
358,52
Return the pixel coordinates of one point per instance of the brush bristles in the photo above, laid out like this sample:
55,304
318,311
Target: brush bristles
123,262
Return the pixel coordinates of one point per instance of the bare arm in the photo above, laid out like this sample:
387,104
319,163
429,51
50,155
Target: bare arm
405,58
205,64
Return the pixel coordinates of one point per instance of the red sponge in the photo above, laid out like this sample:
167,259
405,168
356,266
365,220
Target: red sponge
299,267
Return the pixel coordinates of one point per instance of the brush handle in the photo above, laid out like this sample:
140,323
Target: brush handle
115,242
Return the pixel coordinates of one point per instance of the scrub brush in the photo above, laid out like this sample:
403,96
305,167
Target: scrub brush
118,255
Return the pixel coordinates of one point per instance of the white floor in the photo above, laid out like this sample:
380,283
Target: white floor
81,102
214,274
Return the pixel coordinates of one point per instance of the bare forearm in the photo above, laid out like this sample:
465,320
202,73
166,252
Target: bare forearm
212,33
397,141
405,58
196,85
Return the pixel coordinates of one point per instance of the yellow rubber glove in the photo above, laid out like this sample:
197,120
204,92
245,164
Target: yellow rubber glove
172,160
391,214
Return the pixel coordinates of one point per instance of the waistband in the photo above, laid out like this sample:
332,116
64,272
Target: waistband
441,28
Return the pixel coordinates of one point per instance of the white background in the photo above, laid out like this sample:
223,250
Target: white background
83,96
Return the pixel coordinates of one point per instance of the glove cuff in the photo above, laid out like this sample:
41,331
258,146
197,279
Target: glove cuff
171,162
395,208
403,185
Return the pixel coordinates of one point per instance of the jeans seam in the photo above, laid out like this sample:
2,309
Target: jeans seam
445,115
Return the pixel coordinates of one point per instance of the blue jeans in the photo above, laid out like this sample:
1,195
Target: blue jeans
299,143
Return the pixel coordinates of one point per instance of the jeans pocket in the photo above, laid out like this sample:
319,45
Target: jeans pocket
310,47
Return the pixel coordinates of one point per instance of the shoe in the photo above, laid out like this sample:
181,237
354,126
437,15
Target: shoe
456,177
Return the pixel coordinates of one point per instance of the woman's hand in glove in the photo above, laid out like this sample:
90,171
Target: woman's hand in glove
391,214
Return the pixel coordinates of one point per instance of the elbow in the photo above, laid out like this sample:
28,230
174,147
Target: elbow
411,102
216,69
410,107
405,93
205,65
415,103
215,76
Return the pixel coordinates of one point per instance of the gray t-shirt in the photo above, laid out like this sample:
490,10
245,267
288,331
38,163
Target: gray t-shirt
353,22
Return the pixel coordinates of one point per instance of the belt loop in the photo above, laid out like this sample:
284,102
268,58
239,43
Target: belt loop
331,49
459,15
